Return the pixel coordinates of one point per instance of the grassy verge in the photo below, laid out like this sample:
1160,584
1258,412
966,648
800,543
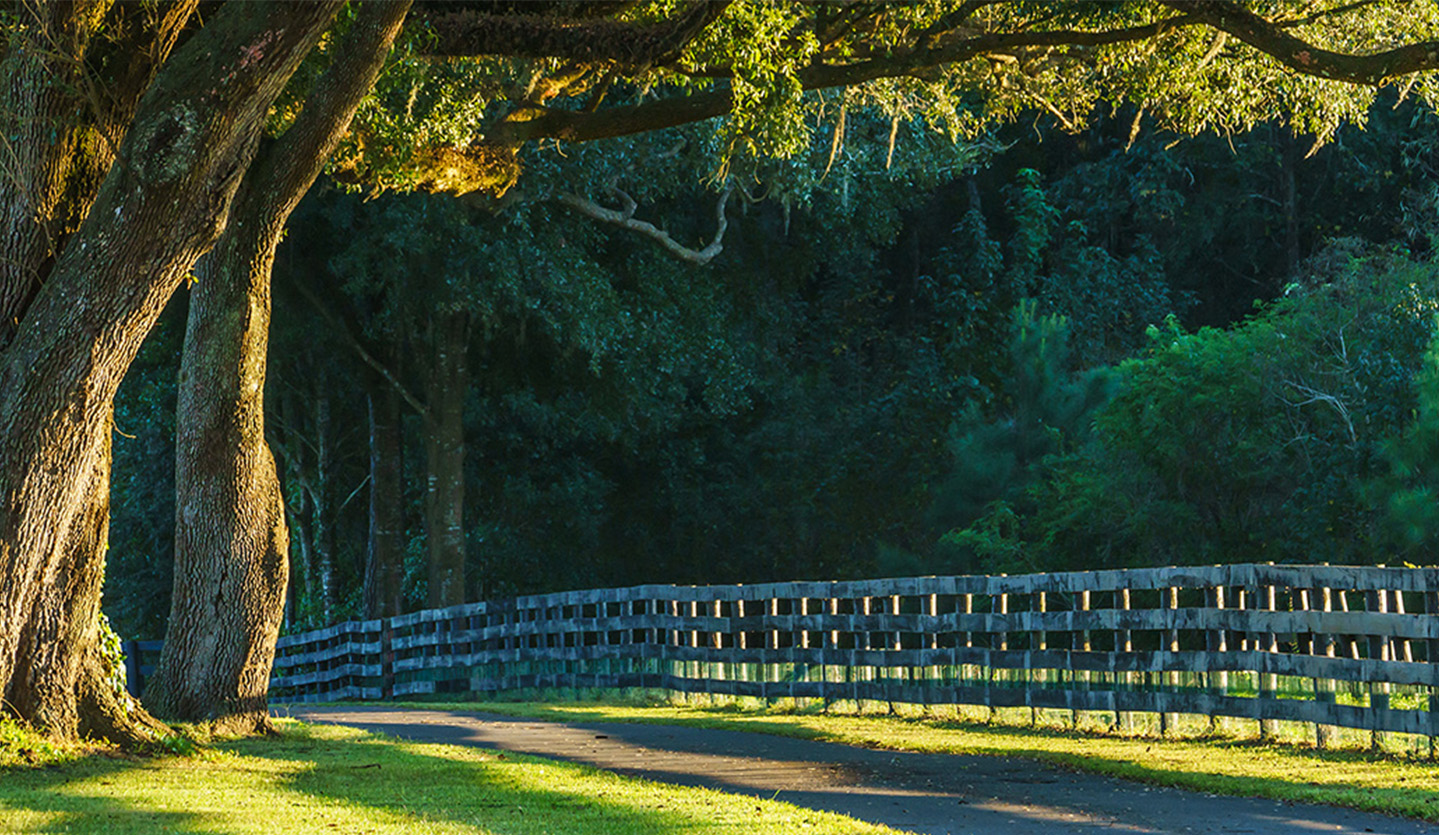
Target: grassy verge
1392,785
20,747
322,779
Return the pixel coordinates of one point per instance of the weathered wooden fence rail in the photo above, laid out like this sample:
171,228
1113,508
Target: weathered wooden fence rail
1353,647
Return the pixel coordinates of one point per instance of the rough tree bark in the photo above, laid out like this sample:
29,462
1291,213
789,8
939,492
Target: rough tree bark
231,543
162,203
58,137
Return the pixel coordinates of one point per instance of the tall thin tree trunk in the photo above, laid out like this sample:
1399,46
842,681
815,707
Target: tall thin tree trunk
322,515
384,562
1290,160
297,512
231,543
447,383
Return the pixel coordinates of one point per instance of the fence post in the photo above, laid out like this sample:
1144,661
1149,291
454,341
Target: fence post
1376,600
1431,655
1003,601
1269,682
967,671
387,659
831,653
800,649
1324,734
1169,721
717,644
1041,642
1217,643
932,675
1079,640
1124,642
891,680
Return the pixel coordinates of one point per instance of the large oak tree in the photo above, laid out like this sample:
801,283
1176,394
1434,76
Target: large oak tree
129,180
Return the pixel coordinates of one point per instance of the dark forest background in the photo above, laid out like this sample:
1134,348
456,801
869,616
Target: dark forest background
1035,350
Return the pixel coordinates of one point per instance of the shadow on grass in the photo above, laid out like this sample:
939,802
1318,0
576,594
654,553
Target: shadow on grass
341,780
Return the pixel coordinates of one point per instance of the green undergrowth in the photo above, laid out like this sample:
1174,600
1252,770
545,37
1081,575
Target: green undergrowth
326,779
20,746
1396,785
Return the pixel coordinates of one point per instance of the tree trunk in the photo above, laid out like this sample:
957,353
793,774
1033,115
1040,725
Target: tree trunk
231,543
163,203
322,509
384,563
291,446
447,382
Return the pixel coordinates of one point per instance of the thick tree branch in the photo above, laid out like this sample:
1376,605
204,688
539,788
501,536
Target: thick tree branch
625,220
592,41
1369,70
578,126
284,174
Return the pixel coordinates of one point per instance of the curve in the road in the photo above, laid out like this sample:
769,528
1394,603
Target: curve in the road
933,794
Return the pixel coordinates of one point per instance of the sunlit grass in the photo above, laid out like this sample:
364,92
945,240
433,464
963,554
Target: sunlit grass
323,779
1394,785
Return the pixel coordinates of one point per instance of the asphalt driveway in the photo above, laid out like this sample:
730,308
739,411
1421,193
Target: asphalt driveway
934,794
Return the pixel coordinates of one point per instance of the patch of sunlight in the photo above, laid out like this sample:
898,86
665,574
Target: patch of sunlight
252,789
531,795
30,820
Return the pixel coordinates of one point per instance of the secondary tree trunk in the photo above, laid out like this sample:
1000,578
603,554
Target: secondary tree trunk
163,203
447,381
231,543
322,507
230,537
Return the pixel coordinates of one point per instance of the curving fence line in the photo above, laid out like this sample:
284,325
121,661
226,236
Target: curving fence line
1354,647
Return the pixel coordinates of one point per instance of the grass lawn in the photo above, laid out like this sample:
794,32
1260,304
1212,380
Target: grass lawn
1392,785
324,779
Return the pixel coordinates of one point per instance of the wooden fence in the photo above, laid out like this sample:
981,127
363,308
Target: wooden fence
1354,647
140,660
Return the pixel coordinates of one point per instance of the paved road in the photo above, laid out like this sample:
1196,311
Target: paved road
934,794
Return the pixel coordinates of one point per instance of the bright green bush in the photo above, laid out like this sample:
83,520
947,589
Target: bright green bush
1263,442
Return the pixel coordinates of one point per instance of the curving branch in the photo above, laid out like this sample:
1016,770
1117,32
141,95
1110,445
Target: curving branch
1269,37
940,45
471,34
361,351
625,219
